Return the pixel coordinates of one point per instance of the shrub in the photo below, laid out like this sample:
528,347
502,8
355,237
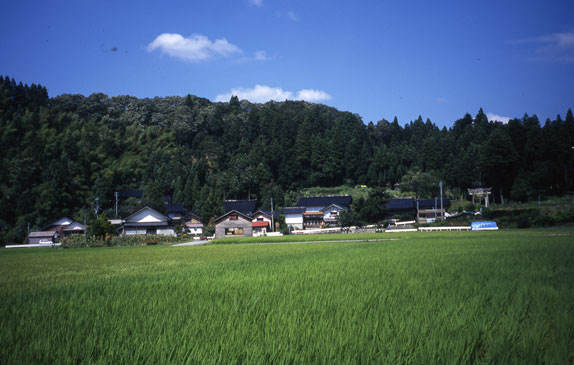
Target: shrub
132,240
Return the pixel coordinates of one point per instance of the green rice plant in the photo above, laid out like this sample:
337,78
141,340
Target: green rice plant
437,297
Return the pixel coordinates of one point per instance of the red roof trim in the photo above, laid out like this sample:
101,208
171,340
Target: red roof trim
260,224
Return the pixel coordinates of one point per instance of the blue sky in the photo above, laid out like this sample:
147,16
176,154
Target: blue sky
378,59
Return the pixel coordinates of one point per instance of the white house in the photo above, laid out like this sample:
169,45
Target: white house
148,221
294,217
192,223
331,214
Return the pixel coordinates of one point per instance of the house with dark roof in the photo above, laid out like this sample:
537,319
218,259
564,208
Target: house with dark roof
175,212
323,210
66,227
429,210
316,203
244,206
264,221
399,206
233,224
43,237
192,223
148,221
294,217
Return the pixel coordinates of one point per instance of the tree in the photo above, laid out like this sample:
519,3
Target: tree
153,198
101,227
499,160
423,184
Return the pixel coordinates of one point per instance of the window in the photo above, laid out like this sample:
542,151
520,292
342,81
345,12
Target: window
233,217
234,231
259,219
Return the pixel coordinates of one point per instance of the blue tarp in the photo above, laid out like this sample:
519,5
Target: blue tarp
484,225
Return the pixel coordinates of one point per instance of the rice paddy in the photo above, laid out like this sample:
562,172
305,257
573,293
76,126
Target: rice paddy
481,297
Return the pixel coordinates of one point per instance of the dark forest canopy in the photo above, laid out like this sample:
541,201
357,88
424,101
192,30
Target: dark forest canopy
59,153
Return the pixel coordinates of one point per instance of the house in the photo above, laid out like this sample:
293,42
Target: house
399,206
247,207
428,210
294,217
148,221
66,227
331,214
192,223
74,229
43,237
233,224
175,212
323,210
264,221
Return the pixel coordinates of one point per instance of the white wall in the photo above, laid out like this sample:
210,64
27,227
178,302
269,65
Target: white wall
294,220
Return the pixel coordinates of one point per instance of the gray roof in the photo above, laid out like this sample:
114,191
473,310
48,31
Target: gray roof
324,201
293,210
43,234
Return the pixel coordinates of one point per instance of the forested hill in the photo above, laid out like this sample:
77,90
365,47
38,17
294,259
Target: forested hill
59,154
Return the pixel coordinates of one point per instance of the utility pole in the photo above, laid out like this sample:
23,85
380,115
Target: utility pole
116,194
272,217
97,206
441,207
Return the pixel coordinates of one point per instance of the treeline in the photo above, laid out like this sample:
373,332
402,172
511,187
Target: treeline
59,154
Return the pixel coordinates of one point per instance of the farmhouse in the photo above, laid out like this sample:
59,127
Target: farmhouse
66,227
175,212
43,237
247,207
428,210
322,210
233,224
399,206
294,217
148,221
192,223
264,221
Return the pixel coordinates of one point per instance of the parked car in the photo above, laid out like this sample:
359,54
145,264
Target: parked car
44,242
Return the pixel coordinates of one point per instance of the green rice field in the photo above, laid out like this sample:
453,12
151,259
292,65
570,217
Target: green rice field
450,297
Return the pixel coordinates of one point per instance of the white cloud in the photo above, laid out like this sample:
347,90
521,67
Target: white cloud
256,2
556,47
260,56
291,15
497,118
195,48
312,95
441,100
263,93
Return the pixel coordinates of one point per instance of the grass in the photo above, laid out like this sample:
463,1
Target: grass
482,297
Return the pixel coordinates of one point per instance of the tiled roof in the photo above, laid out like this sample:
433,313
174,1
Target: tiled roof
430,203
74,227
233,212
405,203
243,206
267,213
259,224
323,201
42,234
293,210
175,208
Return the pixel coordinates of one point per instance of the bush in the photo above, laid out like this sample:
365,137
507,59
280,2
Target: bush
132,240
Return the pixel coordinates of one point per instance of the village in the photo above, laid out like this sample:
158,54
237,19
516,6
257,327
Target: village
243,218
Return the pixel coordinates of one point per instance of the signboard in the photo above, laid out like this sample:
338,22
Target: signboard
483,226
